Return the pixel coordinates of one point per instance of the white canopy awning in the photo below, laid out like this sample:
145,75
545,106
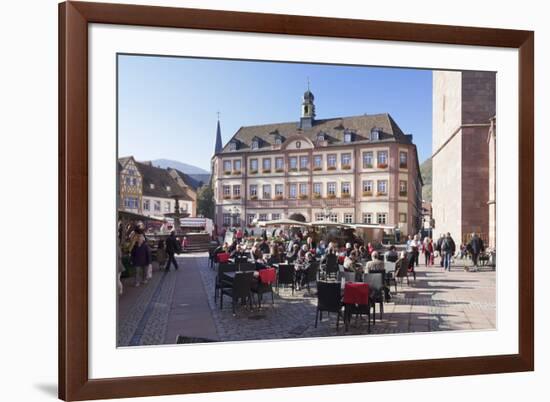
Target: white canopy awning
282,222
331,224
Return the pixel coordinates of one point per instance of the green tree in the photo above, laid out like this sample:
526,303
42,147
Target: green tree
205,201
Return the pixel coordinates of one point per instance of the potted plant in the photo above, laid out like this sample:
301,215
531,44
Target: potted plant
331,196
302,196
367,193
331,168
316,168
279,197
316,196
236,172
254,197
346,195
382,165
254,171
346,166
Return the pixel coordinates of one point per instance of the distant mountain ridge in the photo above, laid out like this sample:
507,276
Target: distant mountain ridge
198,174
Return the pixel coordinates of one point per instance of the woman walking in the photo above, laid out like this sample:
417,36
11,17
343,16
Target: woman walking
141,259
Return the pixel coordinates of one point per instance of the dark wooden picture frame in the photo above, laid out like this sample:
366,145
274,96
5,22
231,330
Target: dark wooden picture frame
74,382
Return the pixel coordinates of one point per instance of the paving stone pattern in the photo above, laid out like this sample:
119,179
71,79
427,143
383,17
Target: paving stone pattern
437,301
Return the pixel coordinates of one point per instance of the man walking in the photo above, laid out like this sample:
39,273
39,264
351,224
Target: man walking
172,247
438,248
476,248
448,248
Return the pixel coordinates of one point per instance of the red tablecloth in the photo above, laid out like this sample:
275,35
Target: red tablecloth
356,293
267,275
223,257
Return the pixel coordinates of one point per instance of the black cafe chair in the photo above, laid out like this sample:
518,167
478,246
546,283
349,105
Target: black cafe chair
331,266
286,275
239,289
376,290
329,299
311,275
218,282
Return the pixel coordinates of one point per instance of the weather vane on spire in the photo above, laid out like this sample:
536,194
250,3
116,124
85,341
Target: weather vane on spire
218,113
308,83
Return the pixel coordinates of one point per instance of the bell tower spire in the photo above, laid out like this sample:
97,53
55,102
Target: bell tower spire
218,146
308,109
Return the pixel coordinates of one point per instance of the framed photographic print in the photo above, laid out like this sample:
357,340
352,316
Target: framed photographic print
260,200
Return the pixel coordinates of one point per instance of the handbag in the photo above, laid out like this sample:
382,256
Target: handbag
149,271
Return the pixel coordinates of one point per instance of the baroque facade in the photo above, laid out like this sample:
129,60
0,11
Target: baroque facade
463,105
358,169
151,191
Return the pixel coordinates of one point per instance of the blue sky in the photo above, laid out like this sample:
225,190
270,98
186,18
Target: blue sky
168,105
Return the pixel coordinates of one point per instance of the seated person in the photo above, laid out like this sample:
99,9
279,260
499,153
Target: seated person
293,255
238,253
321,249
275,256
375,265
348,249
264,247
391,255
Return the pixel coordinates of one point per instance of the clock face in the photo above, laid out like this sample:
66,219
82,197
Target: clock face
298,144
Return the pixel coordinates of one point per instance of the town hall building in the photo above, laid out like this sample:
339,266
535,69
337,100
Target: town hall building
357,169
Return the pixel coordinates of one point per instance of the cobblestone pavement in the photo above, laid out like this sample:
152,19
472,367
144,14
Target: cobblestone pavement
436,301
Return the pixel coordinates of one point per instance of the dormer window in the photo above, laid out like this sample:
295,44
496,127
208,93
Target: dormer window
348,136
233,146
278,140
152,186
255,144
320,137
167,188
375,134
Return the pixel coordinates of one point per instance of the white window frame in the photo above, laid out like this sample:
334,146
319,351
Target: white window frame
292,159
368,156
345,187
380,184
292,190
318,158
333,158
367,218
317,186
367,186
382,157
253,190
382,218
304,166
279,189
348,217
331,185
345,158
227,165
266,195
